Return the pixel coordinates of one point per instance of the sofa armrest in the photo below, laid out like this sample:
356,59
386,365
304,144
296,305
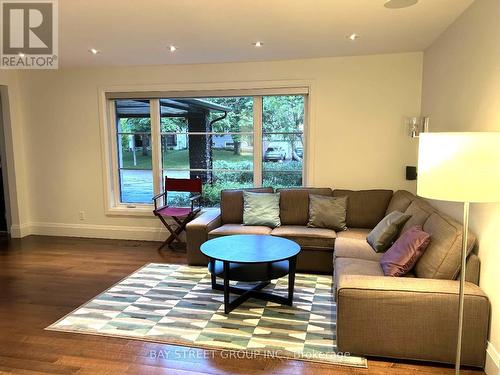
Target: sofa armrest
197,233
410,318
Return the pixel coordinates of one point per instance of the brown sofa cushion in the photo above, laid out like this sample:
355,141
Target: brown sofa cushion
230,229
410,318
294,204
231,204
307,238
356,233
400,201
472,269
365,208
355,248
419,211
441,260
351,266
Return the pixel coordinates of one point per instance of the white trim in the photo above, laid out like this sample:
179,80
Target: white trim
115,162
198,87
156,156
492,365
99,231
104,120
137,210
20,231
109,158
257,141
179,93
309,137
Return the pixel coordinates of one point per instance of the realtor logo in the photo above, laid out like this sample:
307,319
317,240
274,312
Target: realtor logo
29,37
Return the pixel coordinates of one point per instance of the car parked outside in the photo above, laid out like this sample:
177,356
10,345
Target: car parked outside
275,153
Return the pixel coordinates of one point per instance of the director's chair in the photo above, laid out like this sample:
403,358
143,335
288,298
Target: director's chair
180,215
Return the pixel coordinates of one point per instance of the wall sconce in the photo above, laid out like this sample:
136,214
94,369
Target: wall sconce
417,125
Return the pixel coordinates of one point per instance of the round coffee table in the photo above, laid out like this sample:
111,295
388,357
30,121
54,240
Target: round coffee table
251,258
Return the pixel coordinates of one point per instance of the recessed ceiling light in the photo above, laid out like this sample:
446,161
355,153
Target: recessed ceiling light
94,51
258,44
21,54
172,48
353,36
398,4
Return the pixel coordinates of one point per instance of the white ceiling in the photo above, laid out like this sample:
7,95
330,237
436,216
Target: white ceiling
132,32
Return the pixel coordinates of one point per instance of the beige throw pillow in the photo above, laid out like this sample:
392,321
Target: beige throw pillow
327,212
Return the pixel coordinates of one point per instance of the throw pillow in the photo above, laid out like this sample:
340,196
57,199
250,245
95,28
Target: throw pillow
382,236
261,209
327,212
404,253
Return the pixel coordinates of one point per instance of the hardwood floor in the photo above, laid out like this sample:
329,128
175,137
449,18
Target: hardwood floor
44,278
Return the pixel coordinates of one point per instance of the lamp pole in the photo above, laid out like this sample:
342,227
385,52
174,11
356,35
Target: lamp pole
462,286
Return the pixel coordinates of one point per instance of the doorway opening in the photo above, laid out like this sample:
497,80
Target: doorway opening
5,219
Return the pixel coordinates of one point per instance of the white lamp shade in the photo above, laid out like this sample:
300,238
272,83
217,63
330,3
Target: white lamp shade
459,167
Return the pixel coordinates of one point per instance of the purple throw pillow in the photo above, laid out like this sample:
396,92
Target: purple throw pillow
404,253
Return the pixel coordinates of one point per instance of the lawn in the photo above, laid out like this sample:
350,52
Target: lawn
179,159
137,185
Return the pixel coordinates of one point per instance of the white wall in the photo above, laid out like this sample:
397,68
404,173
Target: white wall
358,137
14,149
461,92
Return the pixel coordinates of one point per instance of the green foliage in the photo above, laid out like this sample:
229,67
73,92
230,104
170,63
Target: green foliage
211,193
283,113
134,125
242,165
224,159
173,125
279,177
291,165
282,179
239,117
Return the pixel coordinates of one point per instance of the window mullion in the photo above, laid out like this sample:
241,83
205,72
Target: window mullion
115,161
156,144
305,144
257,141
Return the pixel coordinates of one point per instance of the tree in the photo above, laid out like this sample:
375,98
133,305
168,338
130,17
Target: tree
284,114
137,125
239,118
173,124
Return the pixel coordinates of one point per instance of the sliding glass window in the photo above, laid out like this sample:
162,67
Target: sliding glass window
134,146
212,138
282,140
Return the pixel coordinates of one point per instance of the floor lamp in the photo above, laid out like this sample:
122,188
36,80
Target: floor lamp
459,167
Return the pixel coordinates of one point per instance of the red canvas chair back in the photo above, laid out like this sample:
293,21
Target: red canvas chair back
186,185
180,215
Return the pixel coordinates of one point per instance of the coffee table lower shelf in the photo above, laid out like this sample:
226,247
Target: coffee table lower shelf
247,272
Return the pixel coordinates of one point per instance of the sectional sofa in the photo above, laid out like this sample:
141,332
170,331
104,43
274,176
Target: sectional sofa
412,317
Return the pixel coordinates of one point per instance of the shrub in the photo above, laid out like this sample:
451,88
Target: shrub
277,175
244,165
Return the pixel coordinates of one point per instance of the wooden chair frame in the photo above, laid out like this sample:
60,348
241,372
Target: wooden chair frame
185,216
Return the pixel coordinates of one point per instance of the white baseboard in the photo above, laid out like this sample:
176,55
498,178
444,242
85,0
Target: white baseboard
91,231
20,231
492,366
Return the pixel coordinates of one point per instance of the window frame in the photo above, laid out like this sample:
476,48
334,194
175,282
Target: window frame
109,144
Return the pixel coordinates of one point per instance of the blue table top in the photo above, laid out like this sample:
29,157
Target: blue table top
250,248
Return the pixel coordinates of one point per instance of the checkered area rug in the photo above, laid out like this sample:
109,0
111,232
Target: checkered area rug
175,304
